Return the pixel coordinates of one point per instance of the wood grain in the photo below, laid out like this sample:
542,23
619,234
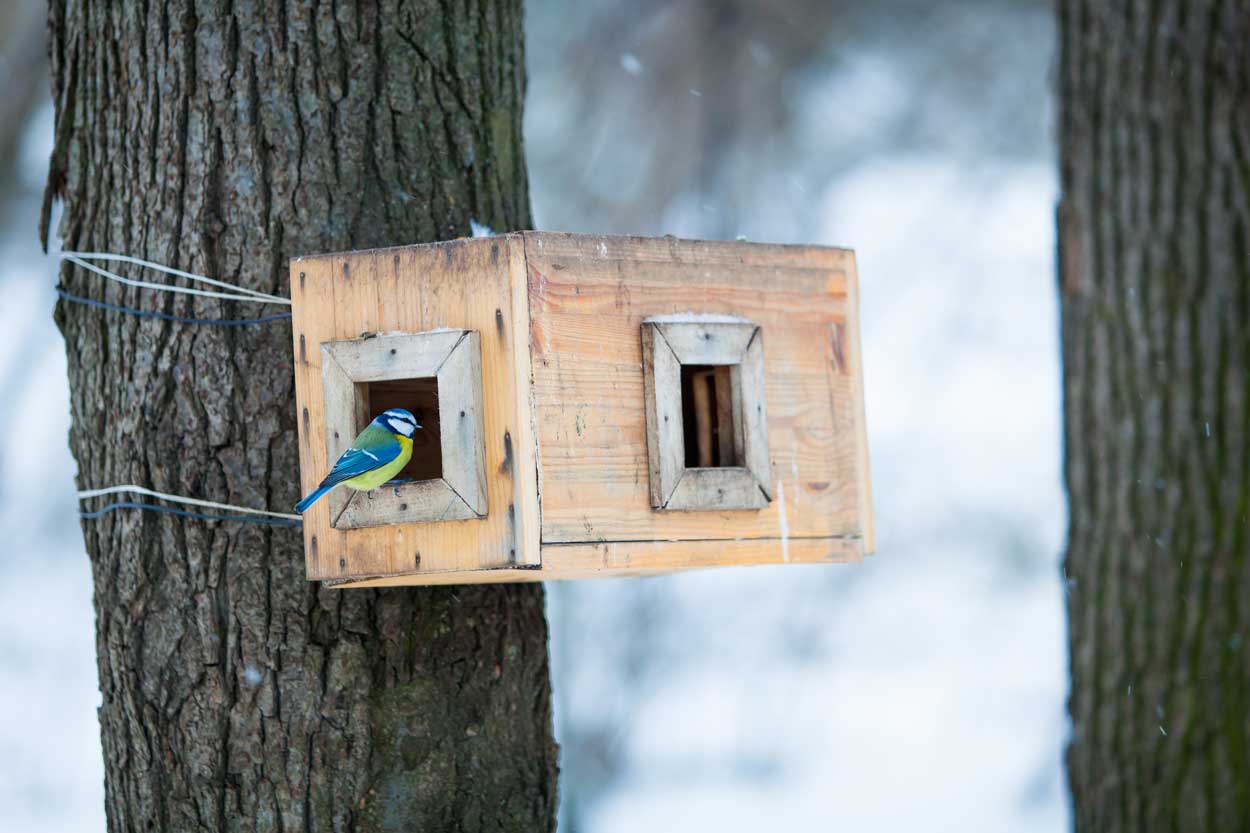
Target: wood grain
395,355
716,489
752,397
522,444
642,558
460,415
588,298
424,500
707,343
666,449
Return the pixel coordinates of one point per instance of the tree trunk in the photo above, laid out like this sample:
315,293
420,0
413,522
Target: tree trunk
1154,230
224,138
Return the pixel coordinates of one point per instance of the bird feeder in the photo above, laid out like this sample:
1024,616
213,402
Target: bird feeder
589,405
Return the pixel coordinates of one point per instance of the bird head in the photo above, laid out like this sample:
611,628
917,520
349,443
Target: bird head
397,421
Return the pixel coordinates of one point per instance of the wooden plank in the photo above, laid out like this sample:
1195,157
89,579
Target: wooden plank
463,285
380,358
622,559
341,407
460,415
753,413
422,500
703,342
666,450
588,298
312,288
718,489
514,324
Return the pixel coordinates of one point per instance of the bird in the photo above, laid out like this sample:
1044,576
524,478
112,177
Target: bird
376,455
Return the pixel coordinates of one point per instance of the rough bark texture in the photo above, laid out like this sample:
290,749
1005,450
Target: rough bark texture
1155,281
224,138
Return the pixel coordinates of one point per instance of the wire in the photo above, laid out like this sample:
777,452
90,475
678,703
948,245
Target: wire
142,313
191,501
239,293
169,510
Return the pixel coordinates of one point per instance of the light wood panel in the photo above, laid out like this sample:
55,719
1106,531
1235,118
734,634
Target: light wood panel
465,284
666,449
642,558
588,297
460,414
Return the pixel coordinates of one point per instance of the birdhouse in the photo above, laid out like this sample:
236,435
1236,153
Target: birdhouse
589,406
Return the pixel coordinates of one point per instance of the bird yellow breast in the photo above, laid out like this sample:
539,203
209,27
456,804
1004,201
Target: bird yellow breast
373,479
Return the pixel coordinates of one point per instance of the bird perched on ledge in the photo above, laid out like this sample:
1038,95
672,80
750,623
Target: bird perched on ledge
377,454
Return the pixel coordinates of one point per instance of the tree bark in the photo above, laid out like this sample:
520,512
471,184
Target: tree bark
223,138
1154,229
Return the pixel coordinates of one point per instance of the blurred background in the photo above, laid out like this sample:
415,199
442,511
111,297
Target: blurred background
921,689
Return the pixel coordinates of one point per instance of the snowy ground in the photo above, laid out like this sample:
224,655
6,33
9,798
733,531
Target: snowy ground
922,689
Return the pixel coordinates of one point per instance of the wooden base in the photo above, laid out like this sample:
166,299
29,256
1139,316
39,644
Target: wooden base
638,558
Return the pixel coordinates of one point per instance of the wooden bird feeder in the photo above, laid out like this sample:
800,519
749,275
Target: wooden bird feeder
590,406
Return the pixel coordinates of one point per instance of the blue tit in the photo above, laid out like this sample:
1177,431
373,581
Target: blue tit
376,455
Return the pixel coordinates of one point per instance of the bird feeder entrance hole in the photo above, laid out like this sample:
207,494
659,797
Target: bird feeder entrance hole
437,376
707,425
707,416
588,405
420,397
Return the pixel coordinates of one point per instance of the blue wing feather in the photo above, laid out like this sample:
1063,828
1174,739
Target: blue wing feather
374,447
358,461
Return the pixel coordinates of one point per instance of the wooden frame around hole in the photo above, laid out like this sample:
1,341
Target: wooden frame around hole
668,342
454,358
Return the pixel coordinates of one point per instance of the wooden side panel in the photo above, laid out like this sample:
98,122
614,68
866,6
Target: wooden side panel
461,284
460,414
588,297
752,379
312,290
851,363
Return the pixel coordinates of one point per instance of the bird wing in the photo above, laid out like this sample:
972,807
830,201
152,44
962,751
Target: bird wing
372,449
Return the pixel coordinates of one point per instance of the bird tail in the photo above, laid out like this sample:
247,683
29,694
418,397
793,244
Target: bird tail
303,505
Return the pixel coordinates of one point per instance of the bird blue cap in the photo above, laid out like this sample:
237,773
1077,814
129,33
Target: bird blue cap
397,421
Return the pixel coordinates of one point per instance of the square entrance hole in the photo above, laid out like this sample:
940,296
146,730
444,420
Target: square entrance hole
707,413
420,396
